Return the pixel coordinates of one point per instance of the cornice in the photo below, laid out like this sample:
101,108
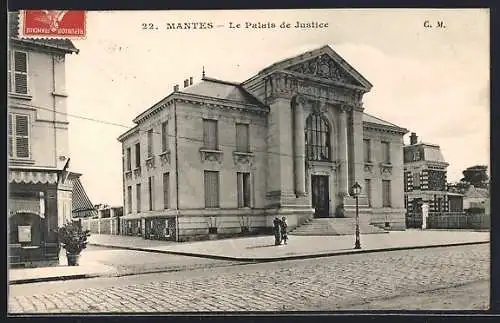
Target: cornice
383,128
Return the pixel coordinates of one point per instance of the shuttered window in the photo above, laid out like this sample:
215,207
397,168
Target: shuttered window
129,159
243,189
137,155
129,199
210,134
166,190
150,143
367,150
164,136
211,183
17,75
151,193
138,197
242,138
386,193
386,152
19,140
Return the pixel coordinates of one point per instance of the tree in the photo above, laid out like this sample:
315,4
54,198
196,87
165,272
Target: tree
476,175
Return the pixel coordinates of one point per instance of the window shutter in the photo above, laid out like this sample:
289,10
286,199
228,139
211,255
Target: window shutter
242,142
138,197
9,126
21,72
246,189
150,142
21,135
210,134
211,183
164,136
129,199
166,190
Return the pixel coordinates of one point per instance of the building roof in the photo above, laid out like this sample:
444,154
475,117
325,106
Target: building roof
323,50
65,45
476,192
219,89
81,204
368,118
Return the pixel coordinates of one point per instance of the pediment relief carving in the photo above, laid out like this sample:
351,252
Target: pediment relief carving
324,66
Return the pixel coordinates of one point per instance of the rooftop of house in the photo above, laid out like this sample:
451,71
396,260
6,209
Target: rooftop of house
65,45
476,192
215,88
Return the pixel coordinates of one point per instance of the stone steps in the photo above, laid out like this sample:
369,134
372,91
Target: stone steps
335,226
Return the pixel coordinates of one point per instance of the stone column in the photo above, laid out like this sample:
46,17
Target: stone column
343,169
299,148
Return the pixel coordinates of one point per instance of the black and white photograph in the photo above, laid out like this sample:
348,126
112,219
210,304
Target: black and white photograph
223,161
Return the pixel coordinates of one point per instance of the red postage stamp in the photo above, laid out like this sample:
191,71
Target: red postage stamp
52,24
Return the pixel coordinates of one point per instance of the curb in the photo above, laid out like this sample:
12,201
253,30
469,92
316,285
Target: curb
49,279
296,257
244,261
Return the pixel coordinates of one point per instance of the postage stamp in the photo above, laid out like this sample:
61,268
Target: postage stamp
52,24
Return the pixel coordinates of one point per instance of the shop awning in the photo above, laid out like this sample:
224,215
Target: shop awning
33,176
82,207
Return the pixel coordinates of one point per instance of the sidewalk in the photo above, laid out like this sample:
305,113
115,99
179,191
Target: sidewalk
86,269
262,248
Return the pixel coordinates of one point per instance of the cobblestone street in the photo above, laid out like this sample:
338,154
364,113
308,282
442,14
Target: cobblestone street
313,284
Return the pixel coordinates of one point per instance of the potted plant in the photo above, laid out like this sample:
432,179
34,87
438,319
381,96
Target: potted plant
73,239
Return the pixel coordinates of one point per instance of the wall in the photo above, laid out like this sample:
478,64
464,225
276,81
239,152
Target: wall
101,226
396,213
45,90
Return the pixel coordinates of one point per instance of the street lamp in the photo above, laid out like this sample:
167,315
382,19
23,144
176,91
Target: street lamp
356,190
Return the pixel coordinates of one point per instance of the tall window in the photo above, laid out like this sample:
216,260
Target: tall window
386,193
242,136
19,142
211,183
416,180
129,199
138,197
151,185
243,189
164,136
367,150
166,190
368,191
137,155
317,138
150,143
17,74
129,159
386,152
210,134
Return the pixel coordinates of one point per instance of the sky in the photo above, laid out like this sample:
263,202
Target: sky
432,81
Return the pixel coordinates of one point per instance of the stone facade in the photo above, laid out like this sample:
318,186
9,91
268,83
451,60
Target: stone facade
306,125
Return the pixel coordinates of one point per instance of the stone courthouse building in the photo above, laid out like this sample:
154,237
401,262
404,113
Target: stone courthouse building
218,158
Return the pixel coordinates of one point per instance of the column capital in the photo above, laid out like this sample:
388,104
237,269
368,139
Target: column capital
345,108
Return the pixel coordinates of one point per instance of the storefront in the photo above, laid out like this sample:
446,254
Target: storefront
33,218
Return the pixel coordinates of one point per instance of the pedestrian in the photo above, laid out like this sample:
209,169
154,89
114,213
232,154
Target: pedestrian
277,231
284,228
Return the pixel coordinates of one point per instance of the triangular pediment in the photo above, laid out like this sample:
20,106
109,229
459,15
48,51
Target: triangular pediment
324,67
322,63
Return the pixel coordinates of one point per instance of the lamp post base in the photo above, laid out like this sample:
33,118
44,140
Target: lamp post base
357,245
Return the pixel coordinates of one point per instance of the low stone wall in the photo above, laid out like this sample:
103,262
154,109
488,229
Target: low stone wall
101,226
459,221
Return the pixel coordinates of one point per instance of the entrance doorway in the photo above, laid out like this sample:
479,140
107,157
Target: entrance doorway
320,196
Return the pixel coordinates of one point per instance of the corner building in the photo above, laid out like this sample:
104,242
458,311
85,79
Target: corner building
219,159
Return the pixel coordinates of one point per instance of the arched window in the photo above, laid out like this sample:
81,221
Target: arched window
317,138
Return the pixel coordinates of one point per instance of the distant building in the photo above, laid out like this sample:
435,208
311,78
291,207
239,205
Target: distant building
425,174
477,198
223,158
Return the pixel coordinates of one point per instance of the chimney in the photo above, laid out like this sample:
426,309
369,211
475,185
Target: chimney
186,83
191,80
413,138
176,88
